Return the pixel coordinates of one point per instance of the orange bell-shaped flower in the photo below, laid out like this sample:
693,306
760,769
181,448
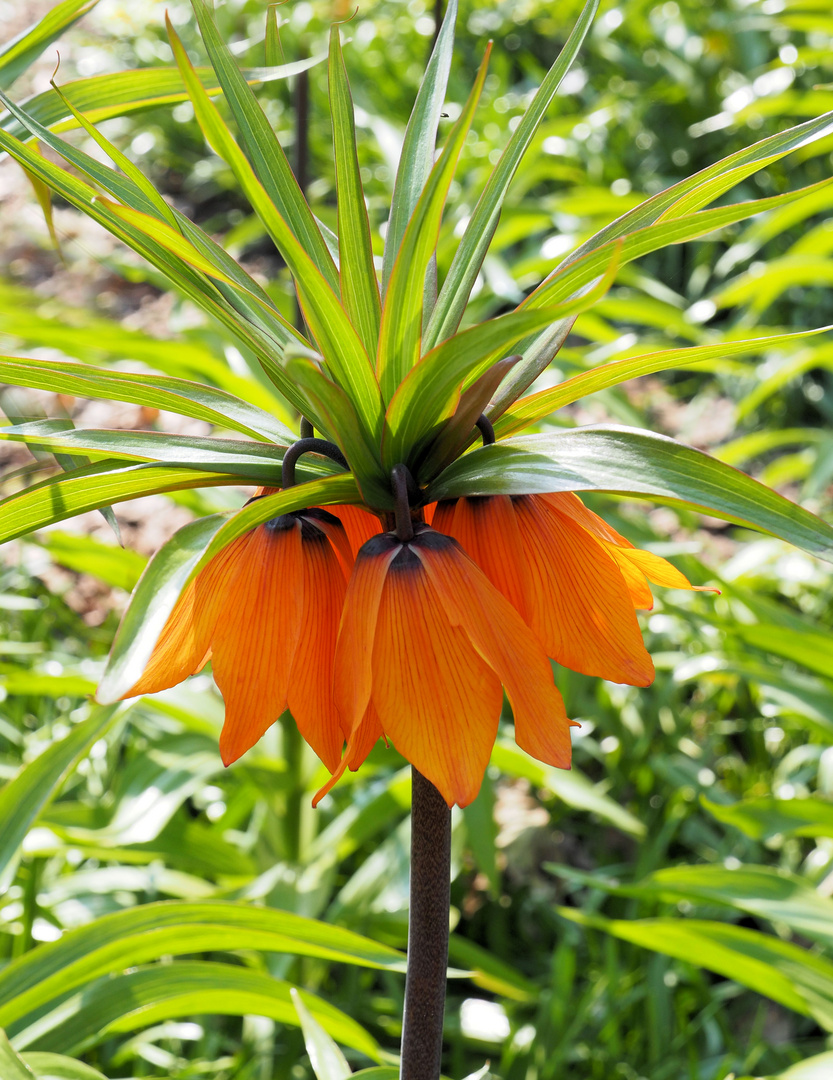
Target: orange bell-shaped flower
573,578
425,645
265,611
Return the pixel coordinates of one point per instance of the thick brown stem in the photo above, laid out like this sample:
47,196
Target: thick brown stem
422,1029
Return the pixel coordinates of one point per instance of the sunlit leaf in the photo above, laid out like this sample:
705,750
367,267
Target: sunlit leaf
634,463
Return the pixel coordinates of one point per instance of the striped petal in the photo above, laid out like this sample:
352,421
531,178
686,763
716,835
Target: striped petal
436,697
255,641
353,673
359,525
504,641
184,645
488,531
310,693
581,608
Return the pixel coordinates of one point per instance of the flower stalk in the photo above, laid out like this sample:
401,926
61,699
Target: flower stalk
422,1027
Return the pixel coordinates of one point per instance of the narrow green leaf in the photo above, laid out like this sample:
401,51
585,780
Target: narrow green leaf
328,1062
152,602
121,93
468,258
761,891
698,189
532,409
431,390
260,461
574,273
25,796
148,932
272,43
764,892
359,288
143,388
339,415
226,294
11,1066
206,293
262,146
401,329
785,973
417,158
44,196
59,1067
337,339
147,996
456,434
129,168
332,491
625,461
100,484
765,817
18,54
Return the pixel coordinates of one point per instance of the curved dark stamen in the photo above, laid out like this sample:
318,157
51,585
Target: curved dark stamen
485,428
307,430
404,488
306,446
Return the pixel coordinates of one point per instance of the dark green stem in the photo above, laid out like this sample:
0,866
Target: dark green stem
422,1027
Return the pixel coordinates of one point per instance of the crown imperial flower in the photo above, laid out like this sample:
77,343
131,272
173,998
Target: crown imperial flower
425,645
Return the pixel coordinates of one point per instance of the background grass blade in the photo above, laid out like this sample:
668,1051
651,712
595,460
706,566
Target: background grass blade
153,994
125,939
18,54
328,1062
792,976
59,1067
12,1067
23,797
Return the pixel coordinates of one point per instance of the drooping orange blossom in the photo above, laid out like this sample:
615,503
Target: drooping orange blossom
362,635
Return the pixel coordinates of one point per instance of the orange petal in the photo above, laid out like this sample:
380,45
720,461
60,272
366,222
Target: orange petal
507,645
650,566
436,697
581,609
442,517
354,650
254,644
487,530
361,742
310,694
640,591
184,644
332,527
568,503
358,524
429,511
661,572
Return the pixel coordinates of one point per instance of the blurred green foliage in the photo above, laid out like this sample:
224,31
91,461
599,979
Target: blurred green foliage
706,799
